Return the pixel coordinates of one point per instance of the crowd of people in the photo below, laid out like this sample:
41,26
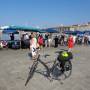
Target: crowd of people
49,40
77,39
43,40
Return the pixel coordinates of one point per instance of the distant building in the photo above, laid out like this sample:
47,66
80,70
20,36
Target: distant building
81,27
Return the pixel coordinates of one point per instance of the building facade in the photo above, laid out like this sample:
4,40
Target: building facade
80,27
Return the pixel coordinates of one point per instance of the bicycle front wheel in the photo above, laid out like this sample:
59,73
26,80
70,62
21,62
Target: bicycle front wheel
31,73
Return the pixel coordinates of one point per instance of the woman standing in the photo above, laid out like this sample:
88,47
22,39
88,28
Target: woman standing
70,43
33,45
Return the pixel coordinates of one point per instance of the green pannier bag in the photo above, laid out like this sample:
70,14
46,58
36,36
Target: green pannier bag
65,55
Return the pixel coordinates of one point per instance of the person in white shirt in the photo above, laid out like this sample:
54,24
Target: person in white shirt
33,45
74,39
89,39
26,36
1,45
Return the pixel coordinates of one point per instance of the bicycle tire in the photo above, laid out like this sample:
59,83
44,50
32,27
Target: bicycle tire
31,72
67,69
56,70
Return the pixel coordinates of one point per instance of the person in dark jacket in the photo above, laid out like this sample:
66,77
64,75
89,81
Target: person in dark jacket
56,41
12,36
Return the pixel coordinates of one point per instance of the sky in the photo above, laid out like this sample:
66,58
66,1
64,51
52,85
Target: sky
44,13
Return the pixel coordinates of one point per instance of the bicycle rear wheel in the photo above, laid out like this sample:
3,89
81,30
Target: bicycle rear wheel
67,69
56,71
31,73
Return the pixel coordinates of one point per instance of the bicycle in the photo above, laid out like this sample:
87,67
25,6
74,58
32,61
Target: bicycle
65,70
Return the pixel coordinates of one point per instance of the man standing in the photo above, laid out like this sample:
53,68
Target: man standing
12,36
56,41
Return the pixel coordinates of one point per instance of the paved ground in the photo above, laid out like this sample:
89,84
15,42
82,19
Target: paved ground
14,68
